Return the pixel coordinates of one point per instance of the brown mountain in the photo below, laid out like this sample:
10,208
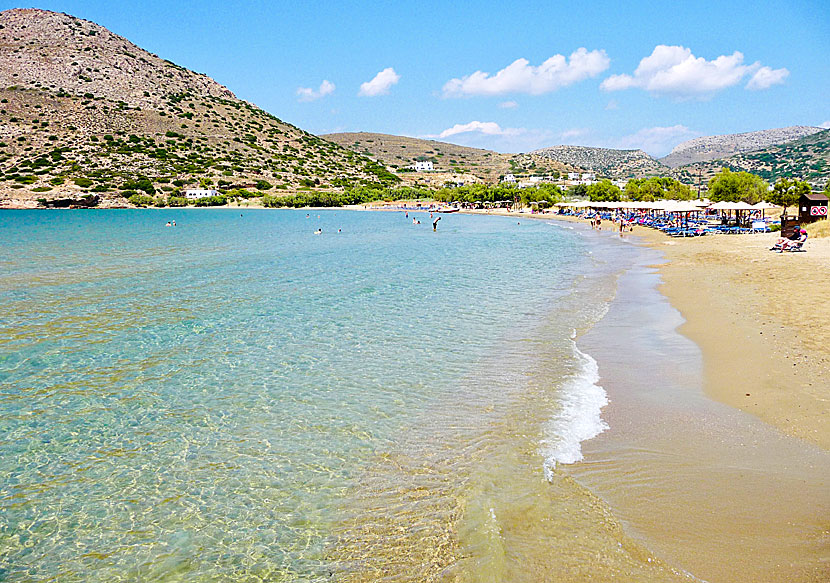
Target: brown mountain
486,165
83,111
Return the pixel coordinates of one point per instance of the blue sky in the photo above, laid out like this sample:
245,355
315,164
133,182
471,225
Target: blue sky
505,76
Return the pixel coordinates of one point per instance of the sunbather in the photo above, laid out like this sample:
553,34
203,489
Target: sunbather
797,244
794,236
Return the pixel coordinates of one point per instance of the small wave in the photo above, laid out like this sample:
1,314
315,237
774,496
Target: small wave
578,419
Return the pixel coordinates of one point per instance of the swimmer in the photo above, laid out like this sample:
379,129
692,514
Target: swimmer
318,231
168,224
174,223
435,224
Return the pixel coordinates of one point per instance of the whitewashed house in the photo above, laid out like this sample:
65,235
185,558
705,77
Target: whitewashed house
573,175
423,166
509,178
197,193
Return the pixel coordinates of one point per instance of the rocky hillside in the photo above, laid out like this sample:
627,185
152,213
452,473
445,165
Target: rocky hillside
486,165
807,158
85,111
605,162
718,147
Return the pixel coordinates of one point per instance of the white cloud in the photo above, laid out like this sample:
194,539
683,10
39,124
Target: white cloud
488,128
522,77
764,78
657,141
508,105
380,84
309,94
825,125
572,134
674,70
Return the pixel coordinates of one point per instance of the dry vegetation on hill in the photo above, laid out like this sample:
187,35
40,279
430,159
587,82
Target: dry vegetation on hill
488,166
83,110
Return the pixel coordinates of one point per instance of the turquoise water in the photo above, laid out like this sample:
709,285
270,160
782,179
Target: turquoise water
202,402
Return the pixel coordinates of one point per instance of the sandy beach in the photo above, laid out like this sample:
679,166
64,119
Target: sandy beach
761,321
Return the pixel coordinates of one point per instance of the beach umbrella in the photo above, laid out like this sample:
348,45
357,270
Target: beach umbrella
763,206
720,206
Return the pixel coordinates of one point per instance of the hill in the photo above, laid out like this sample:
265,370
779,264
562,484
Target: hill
84,111
486,165
605,162
807,158
718,147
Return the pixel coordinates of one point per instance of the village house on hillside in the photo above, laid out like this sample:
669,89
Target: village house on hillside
197,193
423,166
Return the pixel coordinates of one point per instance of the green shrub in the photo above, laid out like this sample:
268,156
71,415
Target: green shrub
141,200
211,201
83,182
264,185
42,189
144,184
176,201
56,181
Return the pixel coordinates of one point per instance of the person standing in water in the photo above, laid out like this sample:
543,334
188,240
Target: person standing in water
435,224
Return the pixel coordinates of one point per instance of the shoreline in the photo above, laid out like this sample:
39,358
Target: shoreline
758,318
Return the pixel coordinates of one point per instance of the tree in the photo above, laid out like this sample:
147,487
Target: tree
787,192
604,191
737,186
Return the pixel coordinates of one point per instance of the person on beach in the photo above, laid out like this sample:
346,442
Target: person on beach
794,236
794,243
435,224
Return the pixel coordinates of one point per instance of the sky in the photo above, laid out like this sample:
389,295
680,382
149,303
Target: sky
507,76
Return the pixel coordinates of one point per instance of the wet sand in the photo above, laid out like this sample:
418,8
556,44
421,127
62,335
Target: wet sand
707,488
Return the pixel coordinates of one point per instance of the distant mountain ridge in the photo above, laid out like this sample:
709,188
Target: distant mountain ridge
604,161
401,151
806,158
715,147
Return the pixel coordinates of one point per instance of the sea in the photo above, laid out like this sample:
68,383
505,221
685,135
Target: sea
309,395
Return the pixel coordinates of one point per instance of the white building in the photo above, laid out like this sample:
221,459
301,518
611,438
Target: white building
573,175
589,176
425,166
509,178
196,193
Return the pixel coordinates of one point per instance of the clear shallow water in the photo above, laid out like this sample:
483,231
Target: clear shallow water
202,402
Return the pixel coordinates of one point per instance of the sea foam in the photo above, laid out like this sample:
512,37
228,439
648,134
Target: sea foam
579,417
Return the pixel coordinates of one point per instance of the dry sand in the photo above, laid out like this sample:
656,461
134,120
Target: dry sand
762,321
